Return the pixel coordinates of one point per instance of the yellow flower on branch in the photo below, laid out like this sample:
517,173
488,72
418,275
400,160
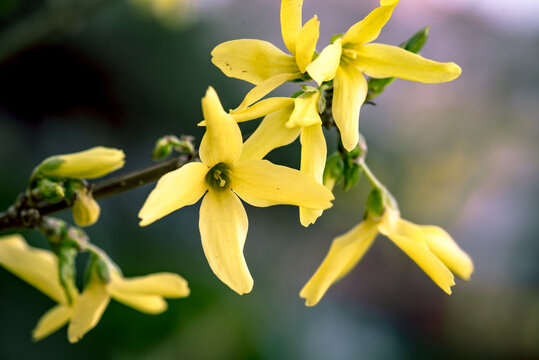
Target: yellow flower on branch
349,58
221,178
144,293
39,268
264,65
430,247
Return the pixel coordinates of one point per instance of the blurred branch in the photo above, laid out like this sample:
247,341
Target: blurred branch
55,18
24,214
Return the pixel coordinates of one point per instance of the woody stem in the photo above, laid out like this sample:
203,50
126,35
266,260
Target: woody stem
25,215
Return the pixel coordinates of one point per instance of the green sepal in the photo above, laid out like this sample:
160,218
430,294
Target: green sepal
334,168
352,174
49,164
66,269
375,202
335,38
296,94
96,267
49,190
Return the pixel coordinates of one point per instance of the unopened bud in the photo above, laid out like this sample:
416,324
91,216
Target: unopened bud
85,209
87,164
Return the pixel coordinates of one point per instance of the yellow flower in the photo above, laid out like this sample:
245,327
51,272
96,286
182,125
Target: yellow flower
264,65
145,294
40,269
88,164
430,247
223,177
349,58
287,119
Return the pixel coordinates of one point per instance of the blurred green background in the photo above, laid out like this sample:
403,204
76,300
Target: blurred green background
462,155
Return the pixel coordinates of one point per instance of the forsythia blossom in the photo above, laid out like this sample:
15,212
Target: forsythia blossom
221,178
350,57
261,63
40,269
430,247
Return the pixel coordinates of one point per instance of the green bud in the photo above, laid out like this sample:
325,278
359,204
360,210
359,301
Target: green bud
162,149
165,145
49,190
333,171
375,202
352,173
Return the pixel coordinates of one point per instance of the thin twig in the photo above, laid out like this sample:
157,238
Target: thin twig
21,215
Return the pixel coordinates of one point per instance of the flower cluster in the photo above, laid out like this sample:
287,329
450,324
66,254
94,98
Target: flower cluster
231,170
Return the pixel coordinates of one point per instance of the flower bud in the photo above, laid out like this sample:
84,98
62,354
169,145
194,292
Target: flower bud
87,164
85,209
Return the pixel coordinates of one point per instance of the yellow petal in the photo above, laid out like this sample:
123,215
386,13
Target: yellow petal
313,162
305,110
349,92
447,250
87,164
37,267
291,22
261,183
223,229
344,253
174,190
51,321
411,239
262,108
264,88
381,61
306,43
270,134
149,304
369,28
163,284
85,209
325,66
252,60
222,141
88,309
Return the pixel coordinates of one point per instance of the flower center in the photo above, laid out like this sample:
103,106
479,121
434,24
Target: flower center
218,178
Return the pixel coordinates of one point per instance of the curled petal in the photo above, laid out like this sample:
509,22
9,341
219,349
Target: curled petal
381,61
349,92
51,321
305,110
344,253
313,161
264,88
306,43
223,229
174,190
261,183
222,141
291,22
252,60
325,66
270,134
369,28
149,304
447,250
262,108
163,284
37,267
411,239
88,309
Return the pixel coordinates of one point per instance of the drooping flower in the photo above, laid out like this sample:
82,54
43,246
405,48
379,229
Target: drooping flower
430,247
222,178
349,58
39,268
264,65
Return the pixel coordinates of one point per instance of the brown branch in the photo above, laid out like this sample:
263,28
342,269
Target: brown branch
24,215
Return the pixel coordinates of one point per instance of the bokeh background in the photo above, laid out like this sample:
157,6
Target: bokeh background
463,155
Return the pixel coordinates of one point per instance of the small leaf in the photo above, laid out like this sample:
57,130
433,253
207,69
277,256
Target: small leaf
375,202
